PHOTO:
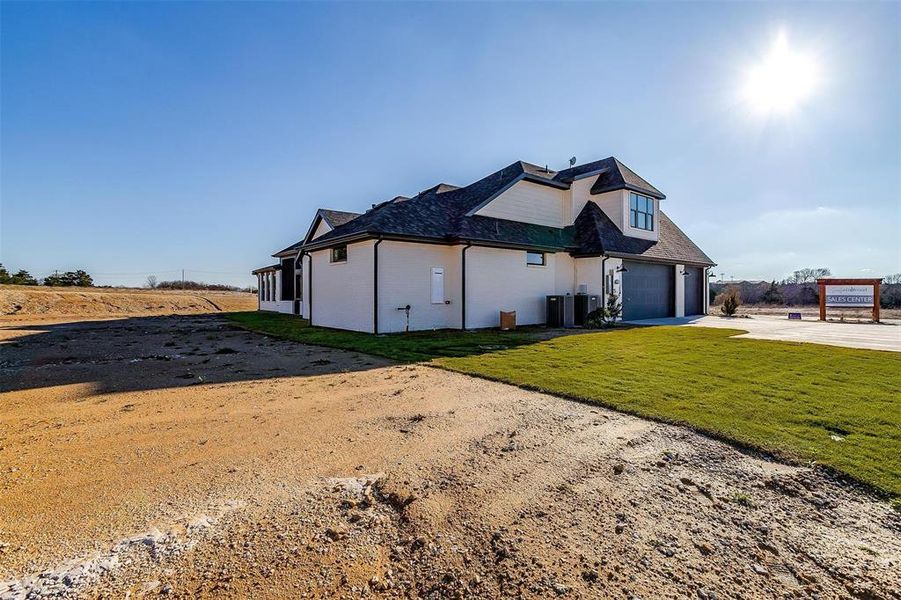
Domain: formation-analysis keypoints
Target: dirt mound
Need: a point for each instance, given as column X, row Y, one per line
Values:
column 30, row 302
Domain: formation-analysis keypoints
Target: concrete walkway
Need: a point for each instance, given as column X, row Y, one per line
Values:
column 885, row 336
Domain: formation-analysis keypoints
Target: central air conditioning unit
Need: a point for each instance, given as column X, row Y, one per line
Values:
column 585, row 304
column 561, row 310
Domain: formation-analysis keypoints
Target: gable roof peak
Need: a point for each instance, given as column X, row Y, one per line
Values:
column 336, row 217
column 612, row 174
column 536, row 170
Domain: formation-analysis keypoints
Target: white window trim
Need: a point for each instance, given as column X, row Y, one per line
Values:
column 653, row 214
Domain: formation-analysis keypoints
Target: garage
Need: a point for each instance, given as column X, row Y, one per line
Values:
column 694, row 291
column 648, row 291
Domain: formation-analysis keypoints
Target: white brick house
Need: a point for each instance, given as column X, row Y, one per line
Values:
column 459, row 255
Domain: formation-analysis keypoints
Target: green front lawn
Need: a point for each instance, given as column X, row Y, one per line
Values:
column 839, row 407
column 411, row 347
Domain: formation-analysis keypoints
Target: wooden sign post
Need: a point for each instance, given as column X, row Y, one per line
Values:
column 849, row 293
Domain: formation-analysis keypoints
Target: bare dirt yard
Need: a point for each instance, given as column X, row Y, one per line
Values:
column 32, row 303
column 179, row 456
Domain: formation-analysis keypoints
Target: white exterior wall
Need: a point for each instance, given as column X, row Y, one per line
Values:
column 564, row 273
column 342, row 292
column 706, row 288
column 612, row 265
column 580, row 189
column 321, row 229
column 273, row 280
column 528, row 203
column 282, row 306
column 499, row 279
column 612, row 205
column 305, row 286
column 405, row 271
column 680, row 290
column 588, row 272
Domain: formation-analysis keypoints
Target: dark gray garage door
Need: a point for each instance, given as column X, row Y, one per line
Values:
column 648, row 291
column 694, row 291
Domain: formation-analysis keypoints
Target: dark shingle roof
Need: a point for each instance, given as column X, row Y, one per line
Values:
column 274, row 267
column 595, row 233
column 335, row 218
column 430, row 213
column 612, row 175
column 444, row 213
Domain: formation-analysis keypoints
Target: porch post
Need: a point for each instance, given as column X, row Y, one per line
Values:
column 822, row 287
column 876, row 300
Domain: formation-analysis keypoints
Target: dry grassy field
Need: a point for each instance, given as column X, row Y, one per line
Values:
column 22, row 302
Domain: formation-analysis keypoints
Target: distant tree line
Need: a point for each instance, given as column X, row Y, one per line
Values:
column 77, row 278
column 195, row 285
column 154, row 284
column 798, row 289
column 80, row 278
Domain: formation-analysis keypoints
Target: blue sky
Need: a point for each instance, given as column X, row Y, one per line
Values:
column 145, row 138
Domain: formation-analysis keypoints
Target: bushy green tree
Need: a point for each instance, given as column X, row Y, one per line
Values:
column 77, row 278
column 54, row 280
column 773, row 295
column 23, row 277
column 5, row 277
column 81, row 278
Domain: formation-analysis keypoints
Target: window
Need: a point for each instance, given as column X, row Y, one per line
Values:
column 536, row 259
column 641, row 212
column 437, row 285
column 339, row 254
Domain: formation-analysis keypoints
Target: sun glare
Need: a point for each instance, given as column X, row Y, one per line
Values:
column 783, row 79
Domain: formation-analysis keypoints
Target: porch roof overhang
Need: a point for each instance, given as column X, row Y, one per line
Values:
column 267, row 269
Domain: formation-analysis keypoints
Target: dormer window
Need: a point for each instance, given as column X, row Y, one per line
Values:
column 641, row 212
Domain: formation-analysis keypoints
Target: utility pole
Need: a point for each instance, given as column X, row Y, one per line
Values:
column 182, row 279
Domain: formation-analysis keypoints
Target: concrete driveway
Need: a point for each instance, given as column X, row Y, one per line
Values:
column 885, row 336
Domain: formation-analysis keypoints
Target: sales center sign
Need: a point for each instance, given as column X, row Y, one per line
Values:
column 849, row 295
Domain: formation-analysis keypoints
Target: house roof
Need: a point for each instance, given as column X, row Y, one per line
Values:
column 336, row 218
column 274, row 267
column 596, row 234
column 333, row 218
column 445, row 214
column 611, row 175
